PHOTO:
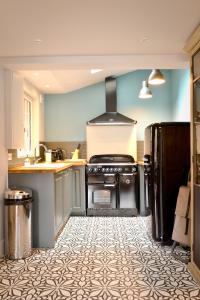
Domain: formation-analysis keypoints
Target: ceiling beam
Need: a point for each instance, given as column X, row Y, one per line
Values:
column 78, row 62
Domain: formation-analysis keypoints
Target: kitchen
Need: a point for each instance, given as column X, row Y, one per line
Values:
column 69, row 121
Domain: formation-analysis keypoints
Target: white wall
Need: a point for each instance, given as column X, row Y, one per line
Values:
column 111, row 139
column 3, row 161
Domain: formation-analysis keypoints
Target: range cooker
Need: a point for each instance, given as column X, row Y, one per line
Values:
column 112, row 186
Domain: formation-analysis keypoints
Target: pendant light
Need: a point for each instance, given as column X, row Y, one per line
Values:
column 156, row 77
column 145, row 92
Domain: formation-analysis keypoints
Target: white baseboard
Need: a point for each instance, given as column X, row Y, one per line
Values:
column 1, row 248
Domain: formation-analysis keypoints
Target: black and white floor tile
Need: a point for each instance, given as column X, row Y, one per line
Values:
column 100, row 258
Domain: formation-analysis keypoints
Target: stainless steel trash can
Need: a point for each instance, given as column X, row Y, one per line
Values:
column 18, row 237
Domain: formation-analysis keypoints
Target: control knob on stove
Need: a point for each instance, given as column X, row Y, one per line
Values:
column 95, row 170
column 89, row 170
column 134, row 169
column 103, row 169
column 119, row 169
column 111, row 169
column 115, row 169
column 107, row 169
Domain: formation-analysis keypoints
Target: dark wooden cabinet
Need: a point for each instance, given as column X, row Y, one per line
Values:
column 192, row 47
column 196, row 131
column 196, row 64
column 196, row 156
column 196, row 245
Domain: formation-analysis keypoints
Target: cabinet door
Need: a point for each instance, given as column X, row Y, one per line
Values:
column 78, row 200
column 196, row 160
column 58, row 202
column 67, row 194
column 196, row 130
column 196, row 168
column 71, row 189
column 14, row 110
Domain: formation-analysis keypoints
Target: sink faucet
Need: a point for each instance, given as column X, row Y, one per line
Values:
column 36, row 159
column 45, row 147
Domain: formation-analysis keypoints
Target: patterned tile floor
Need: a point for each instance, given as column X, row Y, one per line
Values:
column 102, row 258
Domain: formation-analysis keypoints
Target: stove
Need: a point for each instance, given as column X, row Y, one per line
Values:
column 102, row 168
column 112, row 185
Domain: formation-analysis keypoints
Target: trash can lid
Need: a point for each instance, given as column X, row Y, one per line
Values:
column 16, row 194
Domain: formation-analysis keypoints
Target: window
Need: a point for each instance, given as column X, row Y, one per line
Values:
column 27, row 128
column 27, row 123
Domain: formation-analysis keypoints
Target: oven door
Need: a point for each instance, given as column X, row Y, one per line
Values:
column 101, row 191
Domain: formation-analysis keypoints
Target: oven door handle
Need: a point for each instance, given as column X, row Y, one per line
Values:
column 109, row 174
column 109, row 185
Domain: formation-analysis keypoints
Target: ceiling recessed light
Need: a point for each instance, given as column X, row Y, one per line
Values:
column 144, row 39
column 38, row 41
column 93, row 71
column 36, row 74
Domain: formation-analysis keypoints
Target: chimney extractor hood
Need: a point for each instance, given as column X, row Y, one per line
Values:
column 111, row 116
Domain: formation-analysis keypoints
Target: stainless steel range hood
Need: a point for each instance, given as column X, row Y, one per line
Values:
column 111, row 116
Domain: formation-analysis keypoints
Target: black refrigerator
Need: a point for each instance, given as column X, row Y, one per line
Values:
column 167, row 165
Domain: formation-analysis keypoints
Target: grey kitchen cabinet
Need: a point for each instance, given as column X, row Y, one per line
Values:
column 59, row 201
column 43, row 214
column 78, row 192
column 55, row 197
column 67, row 193
column 64, row 191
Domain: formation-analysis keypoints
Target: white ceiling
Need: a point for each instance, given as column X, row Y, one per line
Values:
column 63, row 39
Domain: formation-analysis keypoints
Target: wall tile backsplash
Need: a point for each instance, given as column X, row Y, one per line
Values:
column 69, row 147
column 15, row 160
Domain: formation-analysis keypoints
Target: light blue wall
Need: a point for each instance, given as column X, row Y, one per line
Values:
column 181, row 94
column 66, row 114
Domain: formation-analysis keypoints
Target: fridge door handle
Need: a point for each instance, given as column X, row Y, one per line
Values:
column 147, row 185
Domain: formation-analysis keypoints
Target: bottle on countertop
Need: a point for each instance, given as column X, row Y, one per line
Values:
column 48, row 156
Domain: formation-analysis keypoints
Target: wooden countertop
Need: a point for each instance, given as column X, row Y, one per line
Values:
column 49, row 168
column 140, row 162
